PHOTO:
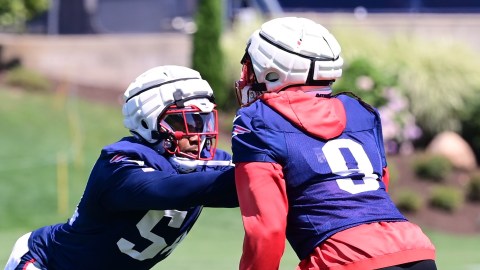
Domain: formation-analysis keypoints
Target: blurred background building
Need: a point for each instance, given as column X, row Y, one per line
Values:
column 112, row 41
column 154, row 16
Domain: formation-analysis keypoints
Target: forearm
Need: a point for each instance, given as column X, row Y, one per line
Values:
column 159, row 191
column 264, row 207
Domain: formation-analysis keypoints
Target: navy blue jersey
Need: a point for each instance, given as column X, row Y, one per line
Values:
column 135, row 209
column 332, row 183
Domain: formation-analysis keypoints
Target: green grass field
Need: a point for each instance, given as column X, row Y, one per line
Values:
column 49, row 144
column 215, row 243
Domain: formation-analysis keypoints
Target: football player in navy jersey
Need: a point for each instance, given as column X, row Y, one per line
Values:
column 310, row 166
column 143, row 195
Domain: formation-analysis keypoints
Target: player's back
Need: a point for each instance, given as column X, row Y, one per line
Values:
column 333, row 183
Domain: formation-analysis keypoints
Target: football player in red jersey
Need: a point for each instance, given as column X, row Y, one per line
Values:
column 145, row 191
column 310, row 165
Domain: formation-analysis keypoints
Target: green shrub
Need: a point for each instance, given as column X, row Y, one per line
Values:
column 28, row 80
column 420, row 76
column 470, row 123
column 234, row 43
column 14, row 14
column 408, row 201
column 366, row 80
column 422, row 79
column 446, row 198
column 437, row 92
column 207, row 53
column 432, row 167
column 473, row 189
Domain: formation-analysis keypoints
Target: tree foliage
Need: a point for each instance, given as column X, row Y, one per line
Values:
column 14, row 13
column 208, row 56
column 437, row 82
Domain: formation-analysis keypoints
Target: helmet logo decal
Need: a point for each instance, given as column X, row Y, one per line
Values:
column 300, row 39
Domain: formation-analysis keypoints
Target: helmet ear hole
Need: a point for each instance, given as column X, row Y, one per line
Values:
column 272, row 77
column 144, row 124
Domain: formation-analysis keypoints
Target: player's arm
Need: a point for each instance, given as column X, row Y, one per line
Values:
column 225, row 157
column 138, row 188
column 222, row 161
column 264, row 207
column 386, row 177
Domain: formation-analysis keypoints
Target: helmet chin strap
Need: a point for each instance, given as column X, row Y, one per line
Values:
column 159, row 147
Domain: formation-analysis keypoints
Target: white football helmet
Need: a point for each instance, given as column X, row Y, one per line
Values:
column 168, row 103
column 288, row 52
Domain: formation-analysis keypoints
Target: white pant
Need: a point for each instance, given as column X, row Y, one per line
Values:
column 19, row 249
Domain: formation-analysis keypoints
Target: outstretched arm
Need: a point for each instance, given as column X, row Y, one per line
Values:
column 134, row 187
column 264, row 207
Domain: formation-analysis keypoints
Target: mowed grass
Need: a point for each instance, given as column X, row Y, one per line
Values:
column 49, row 144
column 215, row 243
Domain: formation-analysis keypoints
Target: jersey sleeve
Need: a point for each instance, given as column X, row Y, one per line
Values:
column 261, row 190
column 221, row 161
column 264, row 207
column 386, row 177
column 222, row 155
column 136, row 186
column 248, row 140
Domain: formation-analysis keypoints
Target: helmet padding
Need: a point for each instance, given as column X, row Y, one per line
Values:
column 154, row 91
column 294, row 51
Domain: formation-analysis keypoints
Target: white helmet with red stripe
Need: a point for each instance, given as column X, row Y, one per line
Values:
column 167, row 103
column 288, row 52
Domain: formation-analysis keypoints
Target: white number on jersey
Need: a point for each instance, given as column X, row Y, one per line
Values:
column 337, row 164
column 145, row 227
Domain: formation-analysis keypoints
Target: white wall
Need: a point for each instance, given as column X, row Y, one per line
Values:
column 104, row 61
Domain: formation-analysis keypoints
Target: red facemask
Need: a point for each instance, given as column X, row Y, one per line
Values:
column 199, row 128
